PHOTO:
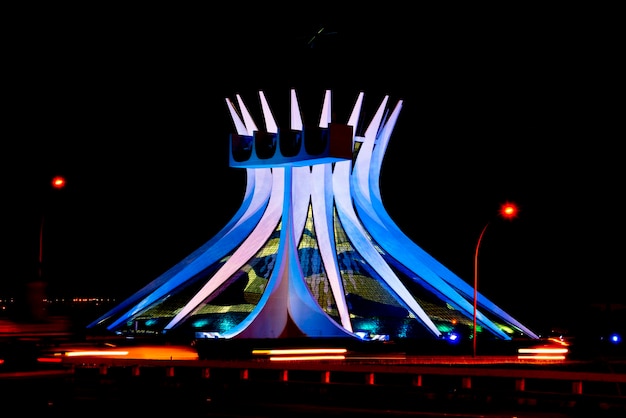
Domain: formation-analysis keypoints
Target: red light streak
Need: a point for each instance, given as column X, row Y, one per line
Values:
column 49, row 360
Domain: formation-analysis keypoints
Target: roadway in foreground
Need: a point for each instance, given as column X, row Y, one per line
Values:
column 69, row 394
column 107, row 379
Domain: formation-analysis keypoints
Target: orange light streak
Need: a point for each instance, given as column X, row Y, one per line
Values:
column 543, row 357
column 542, row 353
column 543, row 350
column 93, row 353
column 292, row 351
column 306, row 358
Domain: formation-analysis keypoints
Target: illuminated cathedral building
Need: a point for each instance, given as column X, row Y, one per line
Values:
column 312, row 252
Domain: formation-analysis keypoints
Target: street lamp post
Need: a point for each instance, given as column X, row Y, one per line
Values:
column 508, row 211
column 58, row 182
column 36, row 289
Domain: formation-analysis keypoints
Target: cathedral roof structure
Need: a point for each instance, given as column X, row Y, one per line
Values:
column 312, row 251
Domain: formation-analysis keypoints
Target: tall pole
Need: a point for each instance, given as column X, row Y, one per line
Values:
column 508, row 211
column 40, row 265
column 36, row 290
column 480, row 238
column 58, row 182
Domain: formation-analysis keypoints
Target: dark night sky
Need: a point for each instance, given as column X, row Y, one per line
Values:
column 499, row 105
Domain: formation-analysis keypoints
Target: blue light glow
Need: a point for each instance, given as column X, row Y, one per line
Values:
column 453, row 337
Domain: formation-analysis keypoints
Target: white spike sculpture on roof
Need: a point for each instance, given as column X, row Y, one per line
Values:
column 311, row 242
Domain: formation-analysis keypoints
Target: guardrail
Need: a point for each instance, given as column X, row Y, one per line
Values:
column 395, row 379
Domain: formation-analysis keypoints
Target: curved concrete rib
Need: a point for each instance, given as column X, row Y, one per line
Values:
column 248, row 248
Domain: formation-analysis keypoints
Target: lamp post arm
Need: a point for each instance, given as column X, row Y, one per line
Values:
column 480, row 238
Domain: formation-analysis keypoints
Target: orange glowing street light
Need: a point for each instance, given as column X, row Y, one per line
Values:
column 509, row 211
column 58, row 182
